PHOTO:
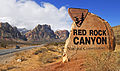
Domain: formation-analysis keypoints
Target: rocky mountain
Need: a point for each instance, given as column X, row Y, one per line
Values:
column 45, row 33
column 62, row 34
column 41, row 33
column 7, row 32
column 116, row 30
column 23, row 31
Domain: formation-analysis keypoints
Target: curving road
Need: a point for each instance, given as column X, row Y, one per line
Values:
column 7, row 51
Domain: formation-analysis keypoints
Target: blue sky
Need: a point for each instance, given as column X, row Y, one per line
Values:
column 29, row 13
column 107, row 9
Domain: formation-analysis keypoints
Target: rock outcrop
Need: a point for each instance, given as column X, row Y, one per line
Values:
column 116, row 30
column 79, row 36
column 7, row 32
column 23, row 31
column 41, row 33
column 62, row 34
column 88, row 32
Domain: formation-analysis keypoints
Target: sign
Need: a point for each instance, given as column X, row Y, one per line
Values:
column 89, row 31
column 89, row 40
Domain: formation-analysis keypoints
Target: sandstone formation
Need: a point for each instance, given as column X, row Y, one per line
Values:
column 23, row 31
column 41, row 33
column 116, row 30
column 7, row 32
column 62, row 34
column 88, row 31
column 92, row 33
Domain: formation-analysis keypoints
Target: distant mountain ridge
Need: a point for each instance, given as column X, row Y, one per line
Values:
column 8, row 32
column 41, row 33
column 62, row 34
column 23, row 31
column 45, row 33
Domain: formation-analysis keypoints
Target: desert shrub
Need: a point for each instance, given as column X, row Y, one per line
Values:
column 3, row 45
column 52, row 49
column 8, row 68
column 59, row 44
column 57, row 57
column 118, row 43
column 37, row 52
column 62, row 43
column 105, row 61
column 47, row 58
column 41, row 50
column 55, row 43
column 49, row 53
column 22, row 55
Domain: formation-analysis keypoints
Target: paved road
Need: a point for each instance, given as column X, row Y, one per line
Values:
column 7, row 51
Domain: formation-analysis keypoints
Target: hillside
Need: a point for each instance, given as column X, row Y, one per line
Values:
column 7, row 32
column 23, row 31
column 116, row 30
column 42, row 33
column 62, row 34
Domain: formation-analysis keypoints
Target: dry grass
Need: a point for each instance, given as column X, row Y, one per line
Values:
column 25, row 56
column 50, row 53
column 103, row 61
column 33, row 58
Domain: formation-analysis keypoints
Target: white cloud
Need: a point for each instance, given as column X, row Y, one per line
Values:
column 27, row 13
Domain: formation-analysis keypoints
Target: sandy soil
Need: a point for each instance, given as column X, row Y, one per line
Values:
column 32, row 62
column 75, row 64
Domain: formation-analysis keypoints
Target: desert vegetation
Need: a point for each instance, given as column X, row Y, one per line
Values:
column 52, row 52
column 35, row 57
column 94, row 60
column 103, row 61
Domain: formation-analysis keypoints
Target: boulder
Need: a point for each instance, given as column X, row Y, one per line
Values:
column 93, row 32
column 88, row 31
